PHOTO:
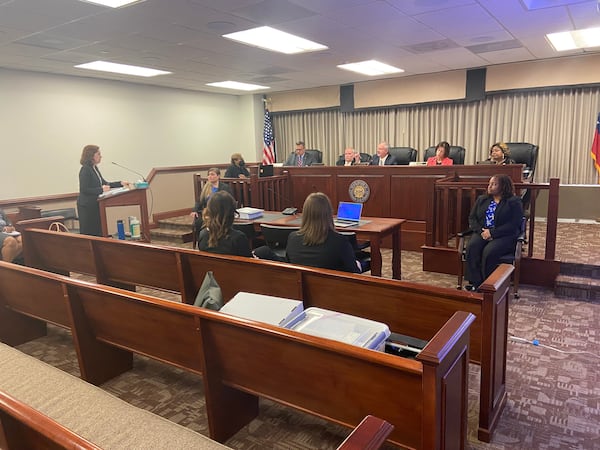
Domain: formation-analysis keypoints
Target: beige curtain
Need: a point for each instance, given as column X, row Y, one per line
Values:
column 560, row 121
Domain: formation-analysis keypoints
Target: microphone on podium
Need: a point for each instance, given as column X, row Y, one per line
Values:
column 130, row 170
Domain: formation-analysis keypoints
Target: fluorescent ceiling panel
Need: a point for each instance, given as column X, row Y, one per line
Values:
column 275, row 40
column 112, row 3
column 570, row 40
column 237, row 85
column 104, row 66
column 371, row 67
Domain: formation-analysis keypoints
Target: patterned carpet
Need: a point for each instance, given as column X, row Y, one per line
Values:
column 553, row 388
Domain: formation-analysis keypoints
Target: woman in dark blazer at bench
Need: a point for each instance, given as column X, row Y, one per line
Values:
column 495, row 220
column 316, row 243
column 219, row 236
column 91, row 185
column 212, row 186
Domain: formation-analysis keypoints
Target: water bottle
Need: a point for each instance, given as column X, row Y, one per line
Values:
column 134, row 227
column 120, row 229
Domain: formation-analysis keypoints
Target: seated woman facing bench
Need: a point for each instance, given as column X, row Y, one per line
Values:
column 10, row 245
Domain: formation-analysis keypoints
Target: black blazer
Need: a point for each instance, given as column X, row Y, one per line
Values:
column 389, row 161
column 308, row 160
column 201, row 203
column 90, row 184
column 507, row 218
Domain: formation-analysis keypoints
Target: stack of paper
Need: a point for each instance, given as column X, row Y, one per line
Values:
column 263, row 308
column 250, row 213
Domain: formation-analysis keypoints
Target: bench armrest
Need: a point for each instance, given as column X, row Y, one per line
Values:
column 370, row 434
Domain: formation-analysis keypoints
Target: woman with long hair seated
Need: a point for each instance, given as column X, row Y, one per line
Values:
column 316, row 243
column 219, row 236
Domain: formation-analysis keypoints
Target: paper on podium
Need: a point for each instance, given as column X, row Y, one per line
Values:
column 263, row 308
column 112, row 192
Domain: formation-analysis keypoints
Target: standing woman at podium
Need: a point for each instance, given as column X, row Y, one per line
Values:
column 91, row 185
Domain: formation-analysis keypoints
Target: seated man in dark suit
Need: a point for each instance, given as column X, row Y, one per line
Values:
column 350, row 158
column 383, row 157
column 300, row 158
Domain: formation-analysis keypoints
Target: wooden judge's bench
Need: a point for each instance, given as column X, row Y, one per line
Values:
column 404, row 192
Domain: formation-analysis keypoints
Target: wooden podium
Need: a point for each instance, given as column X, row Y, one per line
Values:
column 130, row 197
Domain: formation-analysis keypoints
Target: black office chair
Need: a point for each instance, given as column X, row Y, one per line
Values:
column 404, row 155
column 362, row 256
column 513, row 258
column 316, row 154
column 457, row 154
column 524, row 153
column 365, row 158
column 276, row 237
column 254, row 239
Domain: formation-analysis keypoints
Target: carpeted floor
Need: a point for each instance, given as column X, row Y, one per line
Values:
column 553, row 388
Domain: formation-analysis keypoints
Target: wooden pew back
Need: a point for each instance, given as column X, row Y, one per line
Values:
column 241, row 360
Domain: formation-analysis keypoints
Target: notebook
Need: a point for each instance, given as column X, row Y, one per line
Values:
column 348, row 214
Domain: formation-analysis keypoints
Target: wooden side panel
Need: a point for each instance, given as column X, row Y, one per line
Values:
column 315, row 375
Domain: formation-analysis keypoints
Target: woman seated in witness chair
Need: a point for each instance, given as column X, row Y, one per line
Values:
column 237, row 169
column 495, row 220
column 219, row 236
column 442, row 150
column 212, row 186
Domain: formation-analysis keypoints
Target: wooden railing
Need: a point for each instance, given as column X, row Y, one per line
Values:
column 454, row 197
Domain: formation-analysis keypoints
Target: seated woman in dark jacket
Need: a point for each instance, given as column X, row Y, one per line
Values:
column 237, row 169
column 317, row 244
column 219, row 236
column 496, row 223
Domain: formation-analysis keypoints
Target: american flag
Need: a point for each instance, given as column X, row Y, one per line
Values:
column 269, row 154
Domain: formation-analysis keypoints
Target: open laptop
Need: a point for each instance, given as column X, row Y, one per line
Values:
column 265, row 170
column 348, row 214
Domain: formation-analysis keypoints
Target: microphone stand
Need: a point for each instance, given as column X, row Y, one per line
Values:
column 130, row 170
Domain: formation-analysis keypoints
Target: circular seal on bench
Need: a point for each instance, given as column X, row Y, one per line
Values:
column 359, row 191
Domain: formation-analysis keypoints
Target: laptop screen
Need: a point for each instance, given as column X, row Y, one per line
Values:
column 265, row 170
column 349, row 211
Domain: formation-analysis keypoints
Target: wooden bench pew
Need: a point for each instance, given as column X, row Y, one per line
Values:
column 425, row 400
column 408, row 308
column 55, row 410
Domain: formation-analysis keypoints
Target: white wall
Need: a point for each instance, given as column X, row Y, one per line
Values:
column 45, row 120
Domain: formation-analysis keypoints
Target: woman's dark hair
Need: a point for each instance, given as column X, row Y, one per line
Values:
column 507, row 188
column 87, row 155
column 218, row 216
column 317, row 219
column 445, row 146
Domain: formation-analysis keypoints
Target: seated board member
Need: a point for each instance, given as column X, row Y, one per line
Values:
column 351, row 157
column 316, row 243
column 383, row 157
column 210, row 187
column 495, row 220
column 11, row 245
column 300, row 158
column 500, row 154
column 442, row 150
column 218, row 235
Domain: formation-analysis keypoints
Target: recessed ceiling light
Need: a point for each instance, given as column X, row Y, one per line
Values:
column 275, row 40
column 105, row 66
column 238, row 86
column 112, row 3
column 570, row 40
column 371, row 68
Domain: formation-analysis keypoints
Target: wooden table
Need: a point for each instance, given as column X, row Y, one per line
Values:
column 373, row 229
